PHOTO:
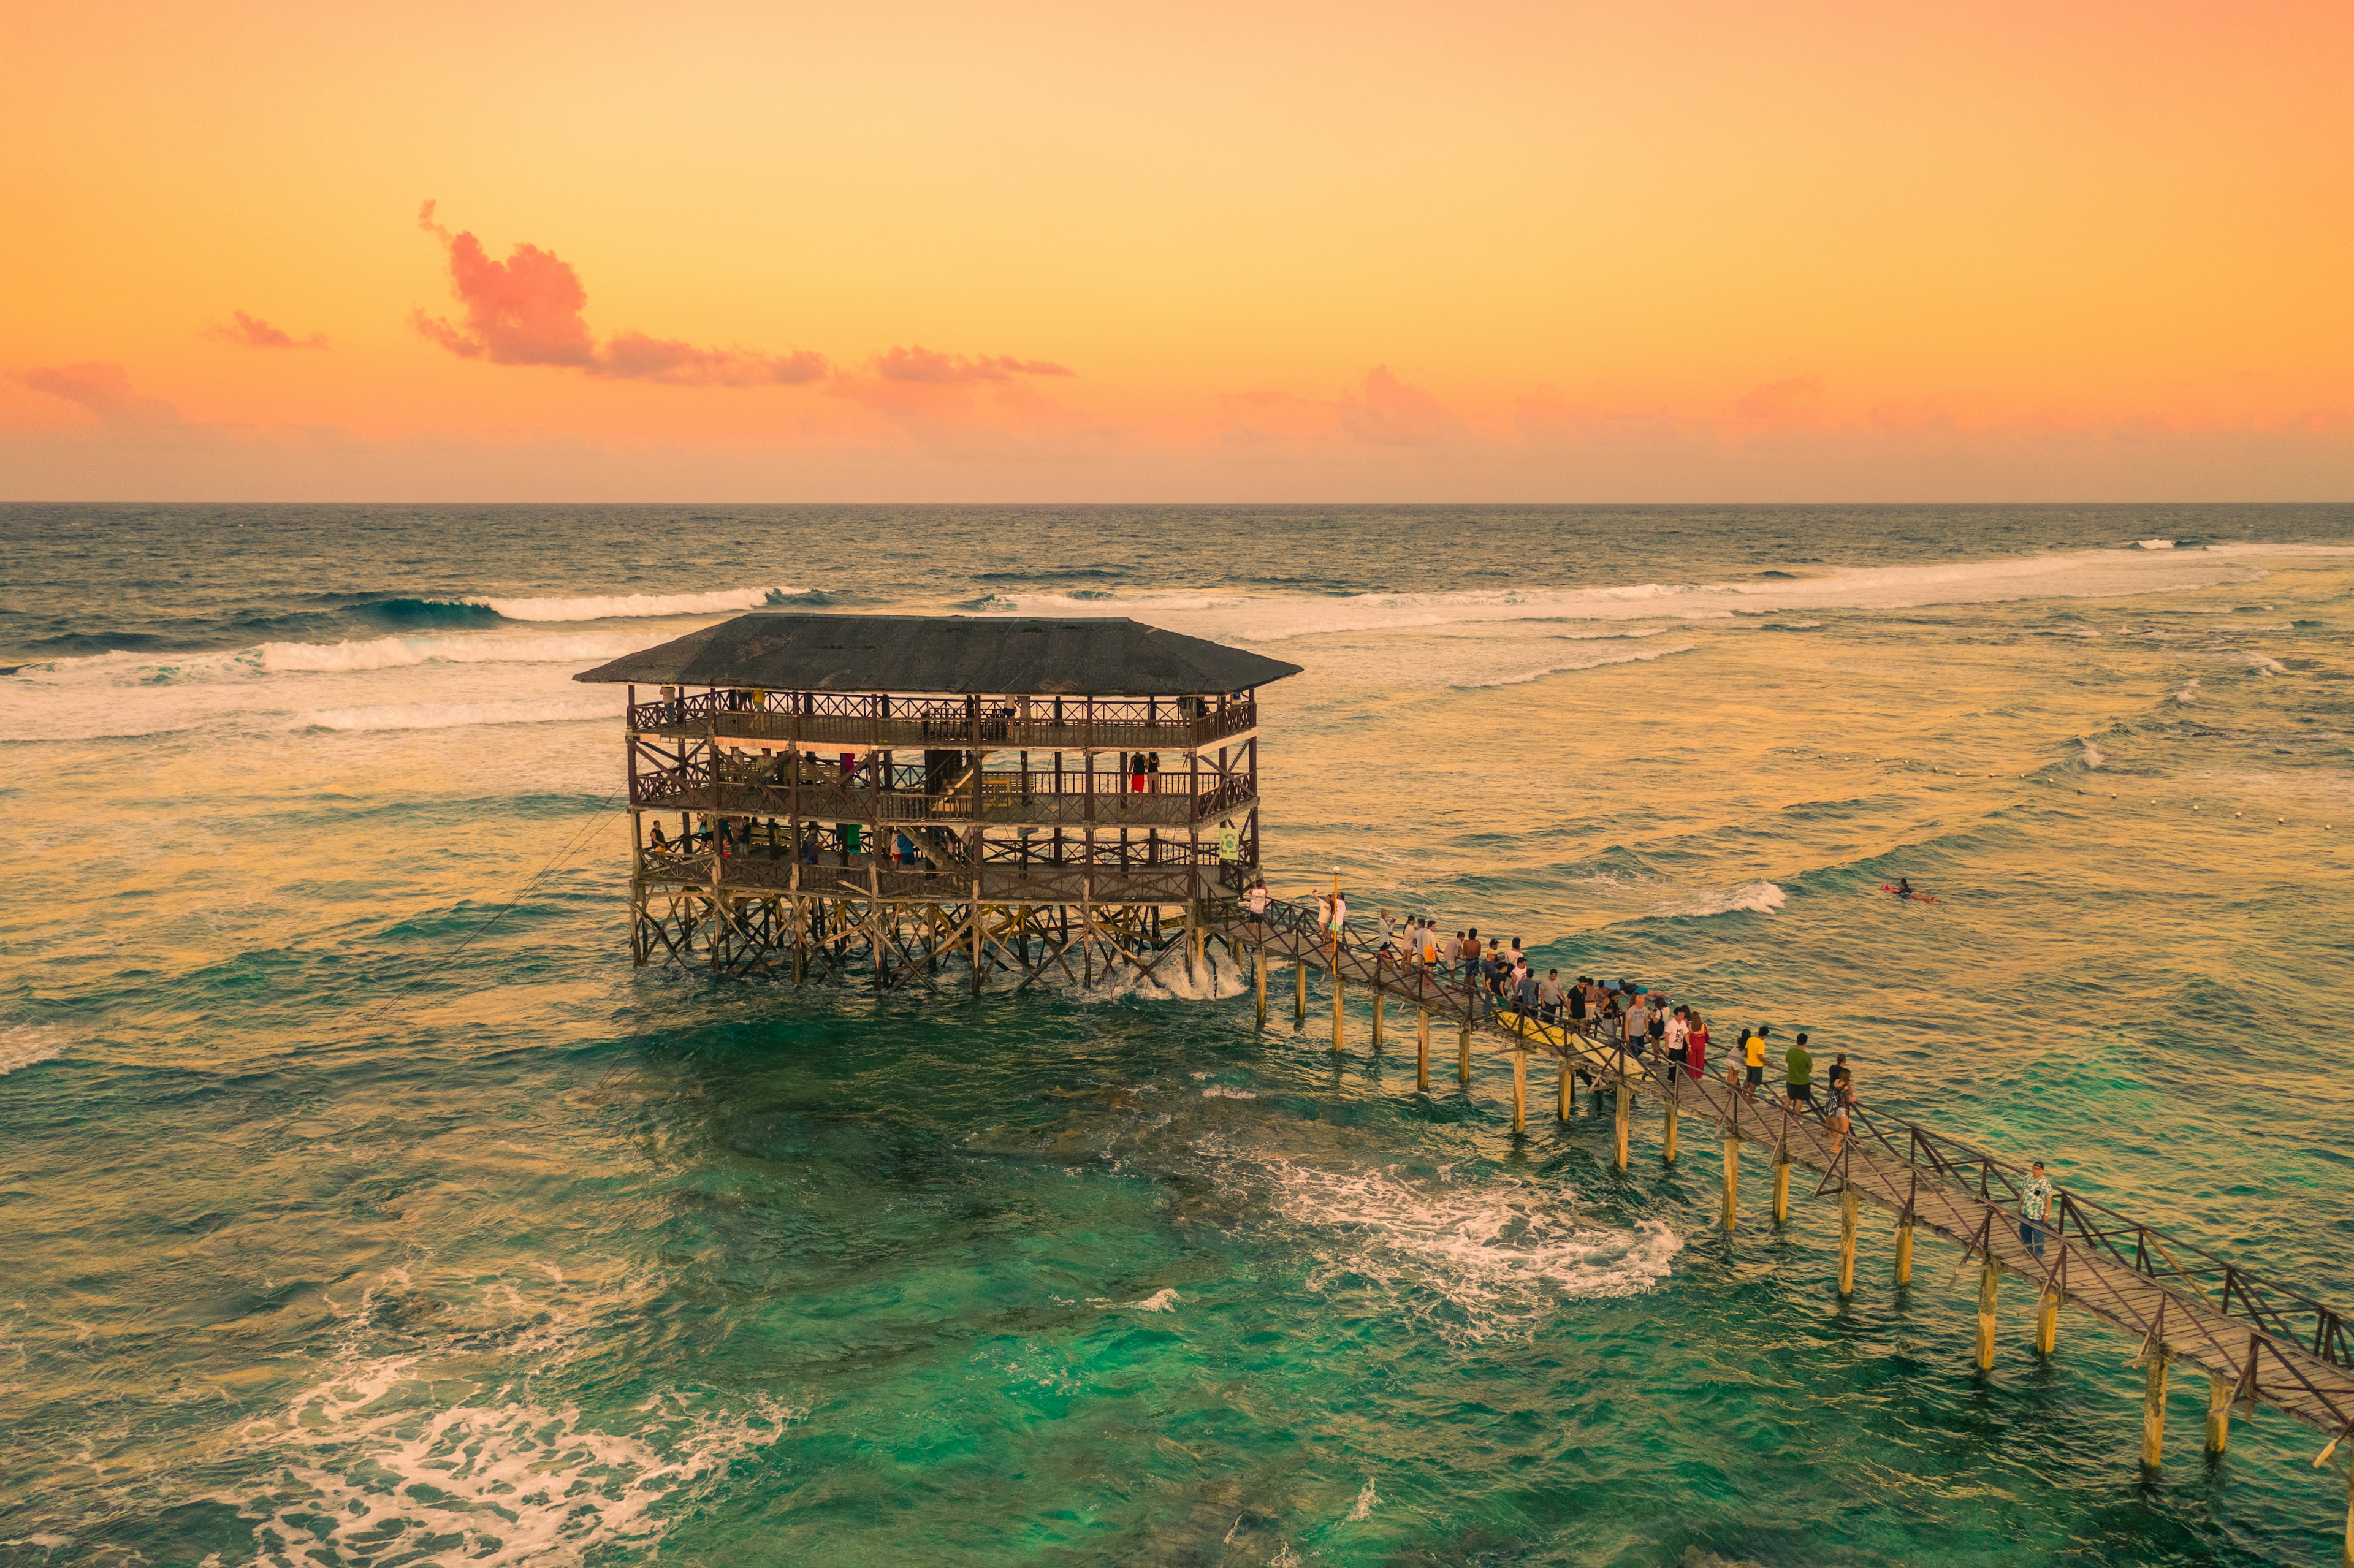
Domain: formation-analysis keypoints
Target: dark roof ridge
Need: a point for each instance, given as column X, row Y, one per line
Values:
column 1080, row 655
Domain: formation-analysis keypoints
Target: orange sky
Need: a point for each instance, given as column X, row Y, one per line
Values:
column 1647, row 252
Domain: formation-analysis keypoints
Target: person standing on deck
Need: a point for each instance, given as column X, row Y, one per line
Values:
column 1637, row 1027
column 1753, row 1050
column 1384, row 928
column 1842, row 1109
column 1679, row 1037
column 1136, row 774
column 1696, row 1046
column 1152, row 771
column 2035, row 1209
column 1256, row 902
column 1579, row 995
column 1466, row 953
column 1340, row 915
column 1529, row 994
column 1801, row 1073
column 1548, row 998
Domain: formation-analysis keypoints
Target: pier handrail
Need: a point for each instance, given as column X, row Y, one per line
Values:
column 2078, row 1224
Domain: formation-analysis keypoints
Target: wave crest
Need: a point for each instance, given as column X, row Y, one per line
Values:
column 623, row 606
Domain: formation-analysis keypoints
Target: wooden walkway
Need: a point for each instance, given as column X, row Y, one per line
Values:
column 2257, row 1341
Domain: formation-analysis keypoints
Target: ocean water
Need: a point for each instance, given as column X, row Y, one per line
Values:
column 362, row 1205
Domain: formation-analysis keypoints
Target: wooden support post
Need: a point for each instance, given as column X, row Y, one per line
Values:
column 2047, row 1320
column 1258, row 981
column 1422, row 1050
column 1378, row 1000
column 1989, row 1281
column 1519, row 1092
column 1667, row 1134
column 2219, row 1415
column 1781, row 1185
column 1298, row 993
column 2346, row 1558
column 1903, row 1250
column 1618, row 1140
column 1337, row 992
column 1732, row 1176
column 1847, row 1239
column 1463, row 1057
column 2153, row 1407
column 1565, row 1094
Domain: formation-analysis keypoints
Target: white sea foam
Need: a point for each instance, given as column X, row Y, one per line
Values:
column 1159, row 1301
column 387, row 1452
column 450, row 716
column 2094, row 755
column 2189, row 693
column 1363, row 1508
column 131, row 669
column 26, row 1043
column 2262, row 666
column 617, row 605
column 1475, row 1258
column 2078, row 574
column 2157, row 544
column 1221, row 1092
column 1748, row 898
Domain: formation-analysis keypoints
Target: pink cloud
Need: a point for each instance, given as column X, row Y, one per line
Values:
column 1388, row 412
column 252, row 331
column 104, row 389
column 527, row 310
column 929, row 367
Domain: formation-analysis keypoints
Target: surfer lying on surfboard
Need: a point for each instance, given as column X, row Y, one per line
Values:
column 1904, row 889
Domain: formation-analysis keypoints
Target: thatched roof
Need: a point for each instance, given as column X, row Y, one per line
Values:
column 1081, row 656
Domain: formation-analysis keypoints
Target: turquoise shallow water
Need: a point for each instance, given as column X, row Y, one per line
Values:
column 346, row 1230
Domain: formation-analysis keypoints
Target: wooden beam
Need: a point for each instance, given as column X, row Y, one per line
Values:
column 1846, row 1240
column 1421, row 1048
column 1989, row 1282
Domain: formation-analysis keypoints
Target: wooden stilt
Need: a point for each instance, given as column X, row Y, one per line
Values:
column 1618, row 1138
column 1989, row 1281
column 2346, row 1558
column 1846, row 1240
column 1259, row 984
column 1298, row 993
column 1378, row 1000
column 2219, row 1415
column 1781, row 1186
column 2153, row 1407
column 1520, row 1091
column 1463, row 1057
column 1565, row 1097
column 1337, row 992
column 2047, row 1322
column 1422, row 1049
column 1732, row 1177
column 1668, row 1133
column 1903, row 1251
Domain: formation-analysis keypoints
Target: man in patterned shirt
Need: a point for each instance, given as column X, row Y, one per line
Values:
column 2035, row 1209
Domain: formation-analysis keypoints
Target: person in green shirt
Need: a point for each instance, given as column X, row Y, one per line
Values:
column 1801, row 1069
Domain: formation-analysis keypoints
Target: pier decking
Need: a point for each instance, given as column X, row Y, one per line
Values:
column 2257, row 1341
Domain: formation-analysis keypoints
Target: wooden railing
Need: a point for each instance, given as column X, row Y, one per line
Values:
column 2080, row 1231
column 860, row 719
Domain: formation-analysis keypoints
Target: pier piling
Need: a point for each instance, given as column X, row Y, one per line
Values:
column 1422, row 1050
column 1299, row 995
column 1377, row 1023
column 1259, row 984
column 1339, row 992
column 1989, row 1282
column 1564, row 1093
column 2219, row 1415
column 1520, row 1094
column 1666, row 1131
column 1625, row 1106
column 2153, row 1407
column 1903, row 1250
column 1463, row 1057
column 1732, row 1176
column 2047, row 1322
column 1846, row 1240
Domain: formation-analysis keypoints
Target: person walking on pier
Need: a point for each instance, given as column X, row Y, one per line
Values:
column 1801, row 1073
column 2035, row 1209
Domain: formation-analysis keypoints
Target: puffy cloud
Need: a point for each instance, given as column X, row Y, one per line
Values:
column 1388, row 412
column 104, row 389
column 527, row 310
column 929, row 367
column 252, row 331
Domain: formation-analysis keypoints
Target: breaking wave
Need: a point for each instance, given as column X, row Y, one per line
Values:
column 452, row 715
column 26, row 1043
column 1749, row 897
column 621, row 606
column 2075, row 574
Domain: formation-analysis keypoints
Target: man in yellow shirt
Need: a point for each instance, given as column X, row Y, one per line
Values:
column 1755, row 1059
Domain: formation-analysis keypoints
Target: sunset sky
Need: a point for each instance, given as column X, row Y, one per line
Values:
column 1656, row 252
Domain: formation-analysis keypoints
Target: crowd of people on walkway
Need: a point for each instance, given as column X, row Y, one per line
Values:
column 1672, row 1038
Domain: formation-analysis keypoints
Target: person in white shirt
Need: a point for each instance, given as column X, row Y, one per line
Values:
column 1339, row 914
